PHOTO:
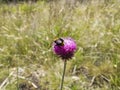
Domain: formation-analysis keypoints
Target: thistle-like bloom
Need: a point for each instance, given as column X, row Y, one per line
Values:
column 64, row 47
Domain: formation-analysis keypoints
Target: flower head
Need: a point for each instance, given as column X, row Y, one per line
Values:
column 64, row 47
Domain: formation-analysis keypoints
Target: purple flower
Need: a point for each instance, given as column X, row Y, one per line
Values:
column 64, row 47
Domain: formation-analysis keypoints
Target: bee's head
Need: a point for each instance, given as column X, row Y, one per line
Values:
column 59, row 42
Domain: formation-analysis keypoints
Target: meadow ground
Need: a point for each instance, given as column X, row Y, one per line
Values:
column 27, row 31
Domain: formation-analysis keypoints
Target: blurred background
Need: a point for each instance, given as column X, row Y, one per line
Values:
column 28, row 29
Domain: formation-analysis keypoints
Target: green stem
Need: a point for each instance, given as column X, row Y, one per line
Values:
column 65, row 62
column 17, row 74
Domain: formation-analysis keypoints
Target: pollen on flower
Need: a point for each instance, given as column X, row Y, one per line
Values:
column 65, row 50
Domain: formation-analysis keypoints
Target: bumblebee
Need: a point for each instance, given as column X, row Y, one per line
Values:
column 59, row 42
